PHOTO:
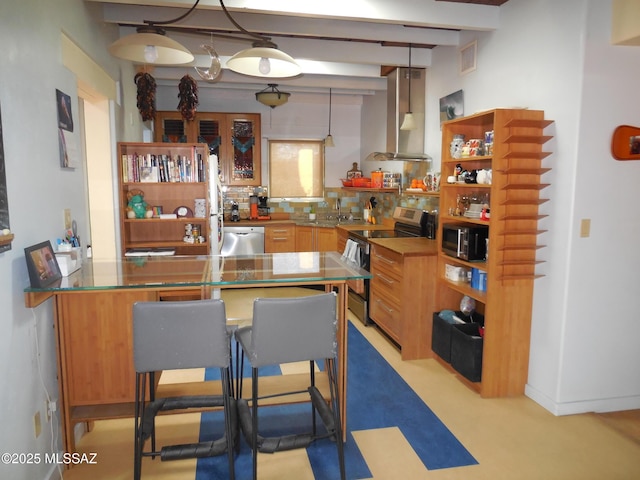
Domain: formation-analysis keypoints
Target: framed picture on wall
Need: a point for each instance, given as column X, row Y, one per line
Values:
column 42, row 265
column 452, row 106
column 65, row 118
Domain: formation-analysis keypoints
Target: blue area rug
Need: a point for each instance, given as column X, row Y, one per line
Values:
column 377, row 397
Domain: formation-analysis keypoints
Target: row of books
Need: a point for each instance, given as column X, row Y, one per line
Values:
column 162, row 168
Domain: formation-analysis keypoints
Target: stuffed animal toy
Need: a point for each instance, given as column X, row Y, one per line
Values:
column 137, row 207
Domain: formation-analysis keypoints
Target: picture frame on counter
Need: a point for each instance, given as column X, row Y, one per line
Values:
column 42, row 265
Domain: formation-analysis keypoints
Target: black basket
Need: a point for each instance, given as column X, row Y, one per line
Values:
column 466, row 351
column 441, row 333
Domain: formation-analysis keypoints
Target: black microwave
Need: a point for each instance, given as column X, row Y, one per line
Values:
column 468, row 242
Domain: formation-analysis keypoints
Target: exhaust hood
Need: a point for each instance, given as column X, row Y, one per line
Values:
column 407, row 145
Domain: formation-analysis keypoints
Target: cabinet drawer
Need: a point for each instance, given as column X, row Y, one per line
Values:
column 386, row 260
column 280, row 239
column 388, row 284
column 386, row 314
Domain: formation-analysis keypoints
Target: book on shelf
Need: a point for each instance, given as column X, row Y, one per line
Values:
column 170, row 168
column 149, row 252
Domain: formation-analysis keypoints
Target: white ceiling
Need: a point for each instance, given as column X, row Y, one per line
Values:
column 338, row 43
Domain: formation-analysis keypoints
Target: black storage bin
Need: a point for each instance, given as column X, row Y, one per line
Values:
column 441, row 333
column 466, row 351
column 441, row 337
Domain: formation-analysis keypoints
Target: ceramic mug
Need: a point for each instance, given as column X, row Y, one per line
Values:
column 456, row 146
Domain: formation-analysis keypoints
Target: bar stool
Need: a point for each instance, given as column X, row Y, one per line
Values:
column 173, row 336
column 286, row 330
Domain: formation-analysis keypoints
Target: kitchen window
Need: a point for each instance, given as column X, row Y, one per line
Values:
column 296, row 169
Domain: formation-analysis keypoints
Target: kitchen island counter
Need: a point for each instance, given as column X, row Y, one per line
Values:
column 94, row 324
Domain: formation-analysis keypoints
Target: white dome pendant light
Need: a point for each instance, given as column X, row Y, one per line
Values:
column 150, row 45
column 263, row 59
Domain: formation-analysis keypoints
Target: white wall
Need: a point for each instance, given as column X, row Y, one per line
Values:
column 600, row 353
column 555, row 56
column 39, row 190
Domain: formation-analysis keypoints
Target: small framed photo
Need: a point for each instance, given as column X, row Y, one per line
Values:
column 65, row 118
column 468, row 55
column 42, row 265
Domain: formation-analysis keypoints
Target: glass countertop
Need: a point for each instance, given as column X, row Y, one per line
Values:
column 209, row 270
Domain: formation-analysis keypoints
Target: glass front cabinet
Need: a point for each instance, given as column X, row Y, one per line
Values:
column 233, row 137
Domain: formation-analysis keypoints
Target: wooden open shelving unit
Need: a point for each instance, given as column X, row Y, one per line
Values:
column 515, row 197
column 157, row 233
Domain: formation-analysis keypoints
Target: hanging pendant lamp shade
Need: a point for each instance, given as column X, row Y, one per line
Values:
column 272, row 97
column 409, row 122
column 264, row 60
column 150, row 45
column 328, row 141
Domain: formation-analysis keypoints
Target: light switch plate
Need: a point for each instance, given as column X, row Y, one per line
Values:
column 67, row 218
column 585, row 227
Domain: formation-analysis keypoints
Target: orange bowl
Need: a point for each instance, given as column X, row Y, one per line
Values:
column 346, row 183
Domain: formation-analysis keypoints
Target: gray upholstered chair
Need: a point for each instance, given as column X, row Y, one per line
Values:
column 181, row 335
column 286, row 330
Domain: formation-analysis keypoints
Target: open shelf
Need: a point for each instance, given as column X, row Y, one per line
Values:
column 516, row 163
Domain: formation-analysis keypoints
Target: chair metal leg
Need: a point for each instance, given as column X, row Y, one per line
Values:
column 138, row 413
column 152, row 397
column 239, row 371
column 231, row 377
column 227, row 392
column 312, row 381
column 254, row 420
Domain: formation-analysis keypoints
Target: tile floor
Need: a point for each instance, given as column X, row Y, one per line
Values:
column 511, row 438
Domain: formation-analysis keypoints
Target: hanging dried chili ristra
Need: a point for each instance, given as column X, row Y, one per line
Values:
column 146, row 95
column 188, row 94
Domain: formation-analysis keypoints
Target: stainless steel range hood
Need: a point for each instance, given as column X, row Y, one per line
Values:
column 405, row 145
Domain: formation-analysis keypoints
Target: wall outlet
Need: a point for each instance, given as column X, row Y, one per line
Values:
column 51, row 407
column 37, row 424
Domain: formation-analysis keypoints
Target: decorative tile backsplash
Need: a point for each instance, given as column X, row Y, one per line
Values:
column 351, row 202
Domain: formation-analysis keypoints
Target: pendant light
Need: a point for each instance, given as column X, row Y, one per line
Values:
column 150, row 44
column 272, row 97
column 263, row 59
column 409, row 122
column 328, row 142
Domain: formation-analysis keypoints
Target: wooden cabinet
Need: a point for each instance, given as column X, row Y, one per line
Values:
column 386, row 291
column 514, row 196
column 402, row 297
column 233, row 137
column 280, row 238
column 316, row 239
column 341, row 240
column 170, row 175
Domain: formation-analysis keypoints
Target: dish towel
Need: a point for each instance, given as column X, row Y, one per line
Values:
column 351, row 252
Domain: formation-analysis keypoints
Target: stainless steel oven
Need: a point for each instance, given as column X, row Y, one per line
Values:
column 409, row 223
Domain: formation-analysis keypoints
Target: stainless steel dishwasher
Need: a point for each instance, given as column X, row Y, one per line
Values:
column 242, row 240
